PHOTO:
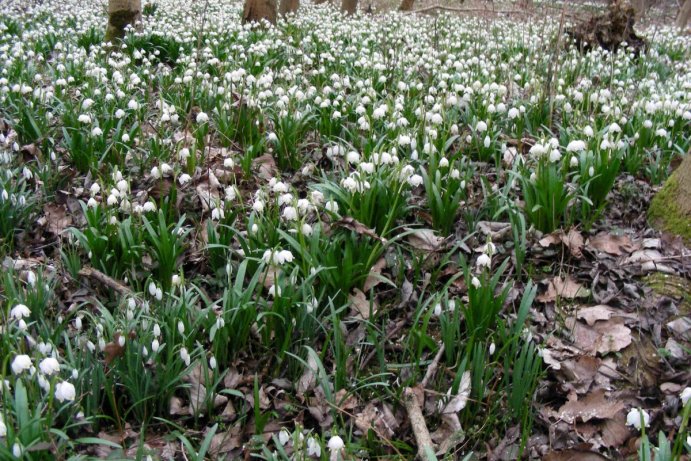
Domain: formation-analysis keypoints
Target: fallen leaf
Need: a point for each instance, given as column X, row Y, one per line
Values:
column 362, row 306
column 614, row 431
column 424, row 240
column 573, row 240
column 225, row 442
column 573, row 455
column 381, row 420
column 266, row 166
column 566, row 288
column 356, row 226
column 198, row 391
column 497, row 231
column 593, row 406
column 56, row 218
column 374, row 277
column 603, row 337
column 616, row 245
column 594, row 313
column 309, row 377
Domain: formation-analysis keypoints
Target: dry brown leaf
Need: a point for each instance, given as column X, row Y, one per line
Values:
column 225, row 442
column 579, row 373
column 574, row 455
column 573, row 240
column 56, row 218
column 593, row 406
column 198, row 391
column 266, row 166
column 382, row 421
column 309, row 377
column 497, row 231
column 374, row 278
column 113, row 349
column 361, row 305
column 603, row 337
column 613, row 244
column 563, row 288
column 424, row 240
column 356, row 226
column 614, row 431
column 594, row 313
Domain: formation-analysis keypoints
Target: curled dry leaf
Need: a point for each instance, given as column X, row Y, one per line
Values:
column 424, row 240
column 374, row 278
column 361, row 305
column 497, row 231
column 356, row 226
column 616, row 245
column 55, row 218
column 380, row 418
column 309, row 377
column 198, row 390
column 594, row 313
column 573, row 240
column 566, row 288
column 266, row 166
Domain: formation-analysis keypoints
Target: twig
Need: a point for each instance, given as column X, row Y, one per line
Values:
column 465, row 10
column 432, row 368
column 105, row 280
column 417, row 422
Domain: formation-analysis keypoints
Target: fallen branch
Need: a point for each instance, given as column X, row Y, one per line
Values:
column 106, row 280
column 418, row 424
column 432, row 369
column 466, row 10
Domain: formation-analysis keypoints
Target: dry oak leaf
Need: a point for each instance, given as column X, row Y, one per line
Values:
column 56, row 218
column 374, row 277
column 567, row 288
column 266, row 166
column 594, row 313
column 381, row 420
column 603, row 337
column 593, row 406
column 616, row 245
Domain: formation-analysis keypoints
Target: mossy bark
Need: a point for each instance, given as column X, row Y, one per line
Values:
column 121, row 13
column 684, row 14
column 349, row 6
column 256, row 10
column 288, row 6
column 406, row 5
column 670, row 209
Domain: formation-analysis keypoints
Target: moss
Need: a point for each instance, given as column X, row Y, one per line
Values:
column 664, row 213
column 671, row 286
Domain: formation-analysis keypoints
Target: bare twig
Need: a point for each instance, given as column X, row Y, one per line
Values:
column 106, row 280
column 432, row 368
column 417, row 422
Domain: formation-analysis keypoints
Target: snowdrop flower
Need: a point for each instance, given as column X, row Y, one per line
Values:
column 212, row 363
column 119, row 113
column 487, row 142
column 306, row 230
column 481, row 127
column 283, row 437
column 133, row 105
column 591, row 171
column 685, row 395
column 185, row 356
column 573, row 163
column 49, row 366
column 476, row 282
column 290, row 213
column 155, row 345
column 65, row 392
column 576, row 146
column 20, row 311
column 3, row 427
column 634, row 418
column 313, row 447
column 21, row 363
column 588, row 131
column 335, row 445
column 331, row 206
column 202, row 117
column 483, row 261
column 184, row 179
column 84, row 118
column 274, row 291
column 492, row 348
column 661, row 133
column 554, row 155
column 513, row 113
column 415, row 180
column 96, row 132
column 181, row 327
column 17, row 450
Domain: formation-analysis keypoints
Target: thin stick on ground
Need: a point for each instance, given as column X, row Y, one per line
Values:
column 417, row 422
column 106, row 280
column 432, row 369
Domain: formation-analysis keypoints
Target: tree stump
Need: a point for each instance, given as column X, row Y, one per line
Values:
column 670, row 210
column 121, row 13
column 256, row 10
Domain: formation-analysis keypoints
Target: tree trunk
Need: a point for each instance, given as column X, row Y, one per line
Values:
column 349, row 6
column 319, row 2
column 406, row 5
column 121, row 13
column 256, row 10
column 670, row 209
column 288, row 6
column 684, row 14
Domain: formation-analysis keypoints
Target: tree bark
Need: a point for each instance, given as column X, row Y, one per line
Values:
column 121, row 13
column 349, row 6
column 288, row 6
column 256, row 10
column 319, row 2
column 406, row 5
column 670, row 209
column 684, row 14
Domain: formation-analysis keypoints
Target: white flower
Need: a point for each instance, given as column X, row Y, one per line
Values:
column 476, row 282
column 65, row 392
column 415, row 180
column 185, row 356
column 483, row 261
column 3, row 428
column 313, row 447
column 481, row 127
column 331, row 206
column 20, row 311
column 283, row 437
column 575, row 146
column 306, row 230
column 634, row 418
column 49, row 366
column 17, row 450
column 588, row 131
column 155, row 345
column 212, row 363
column 554, row 155
column 573, row 163
column 181, row 327
column 685, row 395
column 202, row 117
column 335, row 443
column 492, row 348
column 274, row 291
column 184, row 179
column 21, row 363
column 513, row 113
column 290, row 213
